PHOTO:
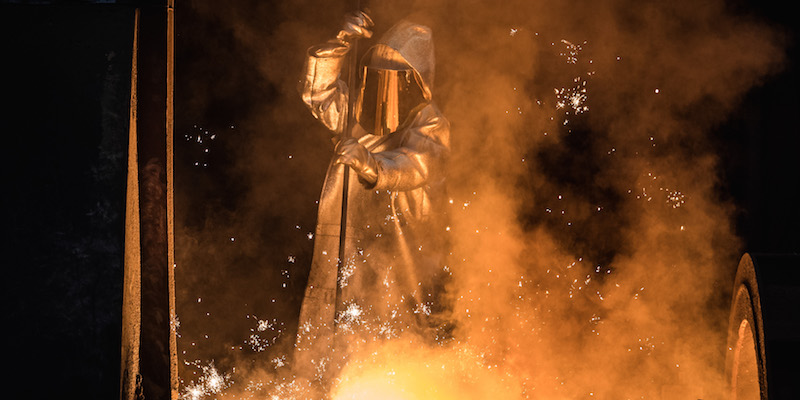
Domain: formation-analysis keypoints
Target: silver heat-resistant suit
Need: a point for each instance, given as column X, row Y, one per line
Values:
column 395, row 240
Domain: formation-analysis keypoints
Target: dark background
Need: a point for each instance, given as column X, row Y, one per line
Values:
column 64, row 87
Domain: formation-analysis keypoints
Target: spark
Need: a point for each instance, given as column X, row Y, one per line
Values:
column 263, row 325
column 175, row 324
column 347, row 270
column 574, row 97
column 210, row 382
column 675, row 198
column 201, row 138
column 351, row 316
column 571, row 52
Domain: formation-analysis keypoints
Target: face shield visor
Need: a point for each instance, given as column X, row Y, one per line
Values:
column 388, row 98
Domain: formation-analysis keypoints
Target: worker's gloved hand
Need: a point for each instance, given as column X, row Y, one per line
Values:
column 350, row 152
column 356, row 26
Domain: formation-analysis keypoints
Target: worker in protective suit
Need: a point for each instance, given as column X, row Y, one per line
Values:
column 396, row 154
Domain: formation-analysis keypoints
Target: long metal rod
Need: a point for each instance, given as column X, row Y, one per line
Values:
column 132, row 289
column 170, row 169
column 352, row 89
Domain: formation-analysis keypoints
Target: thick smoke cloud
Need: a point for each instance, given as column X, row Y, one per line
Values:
column 591, row 248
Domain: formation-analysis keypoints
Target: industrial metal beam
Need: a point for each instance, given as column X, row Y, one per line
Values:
column 149, row 351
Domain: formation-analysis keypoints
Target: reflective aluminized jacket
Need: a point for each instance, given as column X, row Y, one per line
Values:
column 395, row 230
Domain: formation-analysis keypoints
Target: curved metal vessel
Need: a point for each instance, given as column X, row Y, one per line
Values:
column 763, row 357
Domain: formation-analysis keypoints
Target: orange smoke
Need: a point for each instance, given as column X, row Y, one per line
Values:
column 592, row 252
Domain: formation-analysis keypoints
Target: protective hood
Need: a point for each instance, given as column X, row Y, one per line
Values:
column 396, row 79
column 414, row 45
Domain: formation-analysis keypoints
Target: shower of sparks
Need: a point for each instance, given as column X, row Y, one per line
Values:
column 202, row 139
column 346, row 271
column 673, row 198
column 279, row 362
column 348, row 319
column 265, row 334
column 645, row 344
column 210, row 383
column 571, row 52
column 175, row 324
column 423, row 309
column 573, row 98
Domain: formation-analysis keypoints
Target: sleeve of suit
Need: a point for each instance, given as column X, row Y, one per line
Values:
column 321, row 89
column 420, row 160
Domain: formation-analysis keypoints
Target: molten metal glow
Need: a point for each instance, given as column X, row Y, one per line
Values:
column 405, row 370
column 373, row 386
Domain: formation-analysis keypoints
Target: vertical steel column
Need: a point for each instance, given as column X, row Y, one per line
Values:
column 149, row 356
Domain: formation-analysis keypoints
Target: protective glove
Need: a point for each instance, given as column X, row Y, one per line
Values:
column 350, row 152
column 356, row 25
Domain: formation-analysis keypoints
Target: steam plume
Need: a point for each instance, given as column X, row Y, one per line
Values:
column 591, row 250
